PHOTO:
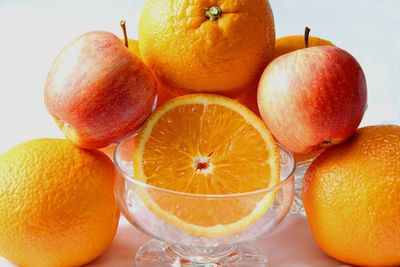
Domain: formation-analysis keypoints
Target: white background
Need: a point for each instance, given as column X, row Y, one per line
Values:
column 33, row 32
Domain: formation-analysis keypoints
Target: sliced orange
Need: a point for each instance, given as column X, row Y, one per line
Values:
column 204, row 145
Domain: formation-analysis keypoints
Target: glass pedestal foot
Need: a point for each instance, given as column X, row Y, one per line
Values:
column 160, row 254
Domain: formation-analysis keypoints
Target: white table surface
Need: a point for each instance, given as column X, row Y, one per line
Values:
column 32, row 32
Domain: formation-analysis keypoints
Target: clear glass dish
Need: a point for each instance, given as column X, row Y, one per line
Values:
column 175, row 246
column 302, row 164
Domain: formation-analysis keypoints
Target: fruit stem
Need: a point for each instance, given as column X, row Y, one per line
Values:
column 306, row 36
column 123, row 26
column 213, row 13
column 326, row 143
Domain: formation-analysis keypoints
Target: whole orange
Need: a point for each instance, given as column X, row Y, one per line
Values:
column 57, row 206
column 207, row 46
column 351, row 195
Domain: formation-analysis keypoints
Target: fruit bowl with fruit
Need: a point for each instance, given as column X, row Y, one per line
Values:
column 203, row 186
column 185, row 225
column 216, row 124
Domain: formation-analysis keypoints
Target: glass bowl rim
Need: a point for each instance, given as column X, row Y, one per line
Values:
column 271, row 188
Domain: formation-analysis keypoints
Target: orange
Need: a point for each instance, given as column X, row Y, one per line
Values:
column 351, row 195
column 249, row 99
column 290, row 43
column 57, row 206
column 207, row 46
column 206, row 145
column 133, row 46
column 163, row 94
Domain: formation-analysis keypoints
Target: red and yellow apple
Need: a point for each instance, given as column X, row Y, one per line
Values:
column 312, row 98
column 98, row 91
column 283, row 46
column 163, row 94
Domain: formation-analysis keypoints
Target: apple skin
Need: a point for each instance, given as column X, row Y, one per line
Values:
column 98, row 91
column 163, row 90
column 312, row 98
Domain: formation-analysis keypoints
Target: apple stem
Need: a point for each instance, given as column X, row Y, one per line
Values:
column 306, row 36
column 123, row 26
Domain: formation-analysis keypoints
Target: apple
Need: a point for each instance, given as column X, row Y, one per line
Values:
column 312, row 98
column 290, row 43
column 98, row 91
column 163, row 94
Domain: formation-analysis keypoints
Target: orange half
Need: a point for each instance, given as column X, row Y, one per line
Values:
column 206, row 145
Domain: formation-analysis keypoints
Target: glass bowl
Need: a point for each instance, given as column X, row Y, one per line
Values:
column 302, row 164
column 177, row 245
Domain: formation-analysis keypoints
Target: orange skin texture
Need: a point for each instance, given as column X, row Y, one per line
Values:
column 292, row 43
column 98, row 91
column 191, row 53
column 133, row 46
column 57, row 205
column 351, row 194
column 311, row 96
column 250, row 100
column 163, row 94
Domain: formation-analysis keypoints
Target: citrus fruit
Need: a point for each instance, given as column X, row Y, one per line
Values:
column 290, row 43
column 250, row 100
column 351, row 195
column 57, row 206
column 133, row 46
column 203, row 145
column 206, row 46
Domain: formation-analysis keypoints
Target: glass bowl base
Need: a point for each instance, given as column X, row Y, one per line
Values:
column 161, row 254
column 297, row 206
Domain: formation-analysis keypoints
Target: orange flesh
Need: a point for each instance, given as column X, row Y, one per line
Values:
column 206, row 144
column 231, row 154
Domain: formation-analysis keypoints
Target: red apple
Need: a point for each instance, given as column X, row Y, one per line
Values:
column 98, row 91
column 312, row 98
column 163, row 94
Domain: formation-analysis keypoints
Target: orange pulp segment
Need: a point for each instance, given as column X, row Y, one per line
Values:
column 206, row 145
